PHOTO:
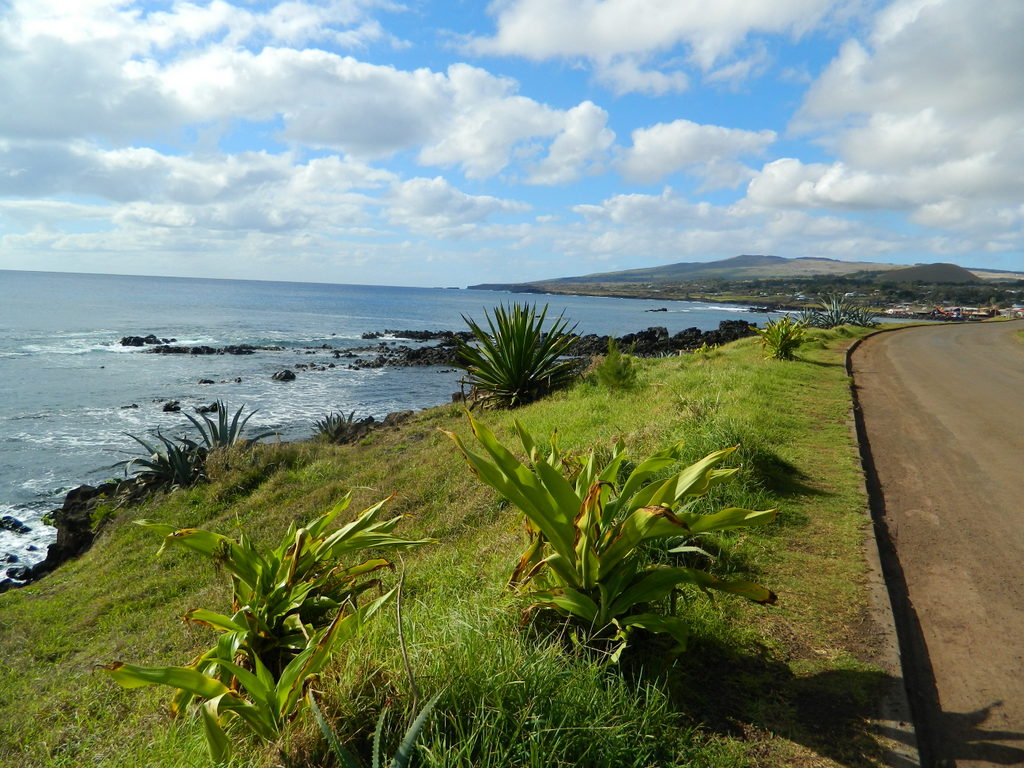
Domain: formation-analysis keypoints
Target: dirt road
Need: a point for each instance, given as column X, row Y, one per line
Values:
column 943, row 413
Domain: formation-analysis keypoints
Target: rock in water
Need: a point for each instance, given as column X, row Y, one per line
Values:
column 285, row 375
column 13, row 524
column 19, row 572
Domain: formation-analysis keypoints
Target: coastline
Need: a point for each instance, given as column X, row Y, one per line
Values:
column 74, row 528
column 754, row 304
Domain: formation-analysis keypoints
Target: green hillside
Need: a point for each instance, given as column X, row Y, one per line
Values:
column 735, row 268
column 791, row 684
column 930, row 273
column 749, row 268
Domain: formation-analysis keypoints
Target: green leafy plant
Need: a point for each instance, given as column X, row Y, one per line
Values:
column 167, row 463
column 836, row 310
column 588, row 557
column 515, row 361
column 223, row 433
column 402, row 755
column 291, row 607
column 781, row 338
column 617, row 370
column 340, row 429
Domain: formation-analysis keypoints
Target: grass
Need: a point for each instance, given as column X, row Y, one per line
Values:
column 785, row 686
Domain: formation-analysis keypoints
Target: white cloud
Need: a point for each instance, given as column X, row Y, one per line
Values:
column 667, row 228
column 485, row 120
column 434, row 207
column 616, row 36
column 710, row 151
column 738, row 72
column 624, row 75
column 110, row 72
column 584, row 140
column 106, row 68
column 926, row 118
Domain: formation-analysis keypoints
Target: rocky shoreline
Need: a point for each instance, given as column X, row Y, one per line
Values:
column 74, row 519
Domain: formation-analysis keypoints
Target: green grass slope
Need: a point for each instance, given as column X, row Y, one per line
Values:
column 789, row 685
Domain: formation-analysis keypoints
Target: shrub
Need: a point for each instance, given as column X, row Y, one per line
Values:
column 617, row 371
column 588, row 556
column 222, row 433
column 292, row 606
column 781, row 338
column 837, row 310
column 516, row 361
column 167, row 463
column 340, row 429
column 181, row 462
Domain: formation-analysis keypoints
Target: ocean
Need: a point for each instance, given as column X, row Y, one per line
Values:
column 71, row 392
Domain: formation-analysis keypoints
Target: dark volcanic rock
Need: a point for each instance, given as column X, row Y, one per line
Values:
column 73, row 522
column 172, row 406
column 655, row 342
column 445, row 337
column 206, row 381
column 13, row 524
column 19, row 572
column 285, row 375
column 234, row 349
column 211, row 408
column 395, row 418
column 141, row 341
column 7, row 558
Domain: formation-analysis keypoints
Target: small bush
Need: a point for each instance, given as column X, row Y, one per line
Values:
column 781, row 338
column 617, row 371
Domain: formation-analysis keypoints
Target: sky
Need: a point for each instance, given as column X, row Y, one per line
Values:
column 452, row 143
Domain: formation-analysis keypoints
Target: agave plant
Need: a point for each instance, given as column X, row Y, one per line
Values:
column 588, row 557
column 339, row 429
column 167, row 463
column 836, row 310
column 515, row 361
column 781, row 338
column 292, row 606
column 347, row 759
column 223, row 433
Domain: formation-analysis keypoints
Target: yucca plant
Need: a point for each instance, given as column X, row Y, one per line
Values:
column 515, row 361
column 291, row 607
column 166, row 463
column 781, row 338
column 588, row 557
column 836, row 310
column 339, row 429
column 348, row 759
column 223, row 433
